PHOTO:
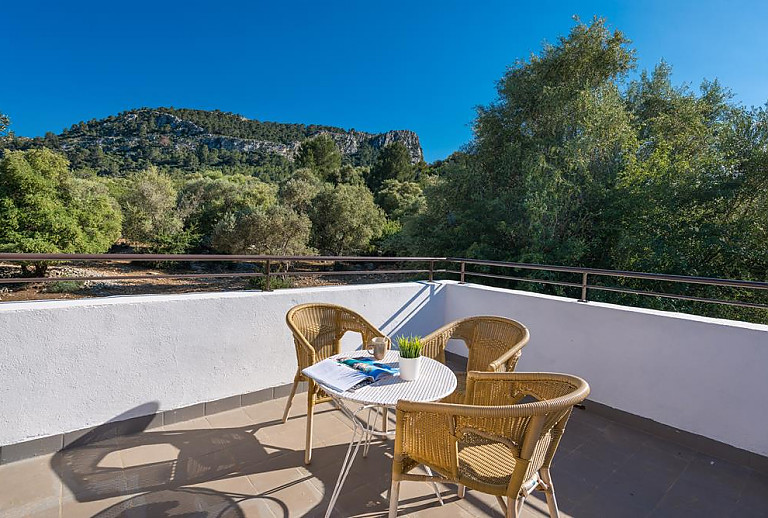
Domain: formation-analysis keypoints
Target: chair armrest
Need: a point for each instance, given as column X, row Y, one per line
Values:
column 368, row 331
column 508, row 360
column 433, row 345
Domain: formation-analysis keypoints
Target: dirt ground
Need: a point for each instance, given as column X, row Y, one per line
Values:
column 63, row 289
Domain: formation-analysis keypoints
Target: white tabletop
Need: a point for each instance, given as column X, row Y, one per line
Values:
column 435, row 382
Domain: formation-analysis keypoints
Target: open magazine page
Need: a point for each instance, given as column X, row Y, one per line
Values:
column 372, row 368
column 348, row 373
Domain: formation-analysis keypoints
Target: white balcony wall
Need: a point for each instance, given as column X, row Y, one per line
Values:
column 68, row 365
column 702, row 375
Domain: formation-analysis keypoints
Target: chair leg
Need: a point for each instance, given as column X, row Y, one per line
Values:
column 554, row 512
column 290, row 398
column 385, row 422
column 461, row 491
column 310, row 413
column 394, row 495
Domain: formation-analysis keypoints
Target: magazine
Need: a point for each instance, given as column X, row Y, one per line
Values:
column 349, row 373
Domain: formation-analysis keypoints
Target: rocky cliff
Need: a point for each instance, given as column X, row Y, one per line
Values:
column 131, row 133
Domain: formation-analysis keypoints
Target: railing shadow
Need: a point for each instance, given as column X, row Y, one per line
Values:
column 405, row 316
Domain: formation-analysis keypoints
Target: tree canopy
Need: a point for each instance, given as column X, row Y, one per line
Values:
column 393, row 163
column 44, row 209
column 573, row 164
column 345, row 220
column 319, row 154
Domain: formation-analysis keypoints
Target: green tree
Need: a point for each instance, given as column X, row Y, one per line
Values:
column 349, row 174
column 319, row 154
column 44, row 209
column 693, row 202
column 400, row 199
column 272, row 230
column 345, row 220
column 300, row 190
column 393, row 163
column 206, row 199
column 5, row 122
column 148, row 200
column 546, row 153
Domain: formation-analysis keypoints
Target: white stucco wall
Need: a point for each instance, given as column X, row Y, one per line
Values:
column 68, row 365
column 702, row 375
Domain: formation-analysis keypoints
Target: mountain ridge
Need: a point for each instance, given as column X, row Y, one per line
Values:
column 185, row 128
column 188, row 139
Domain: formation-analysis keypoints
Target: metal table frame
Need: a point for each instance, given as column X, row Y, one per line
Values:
column 365, row 430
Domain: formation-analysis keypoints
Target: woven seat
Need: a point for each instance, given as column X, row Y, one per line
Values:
column 317, row 332
column 494, row 343
column 494, row 442
column 490, row 463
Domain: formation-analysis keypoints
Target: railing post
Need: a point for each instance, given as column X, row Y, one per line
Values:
column 463, row 269
column 267, row 269
column 431, row 271
column 583, row 287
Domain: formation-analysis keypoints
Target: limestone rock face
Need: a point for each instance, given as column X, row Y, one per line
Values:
column 166, row 128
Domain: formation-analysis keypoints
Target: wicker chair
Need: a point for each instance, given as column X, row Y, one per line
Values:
column 495, row 344
column 495, row 443
column 317, row 331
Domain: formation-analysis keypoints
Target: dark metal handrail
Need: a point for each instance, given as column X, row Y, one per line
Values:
column 267, row 261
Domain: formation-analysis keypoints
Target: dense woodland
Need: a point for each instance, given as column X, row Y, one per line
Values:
column 581, row 160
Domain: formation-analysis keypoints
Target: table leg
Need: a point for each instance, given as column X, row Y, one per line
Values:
column 434, row 486
column 372, row 426
column 365, row 432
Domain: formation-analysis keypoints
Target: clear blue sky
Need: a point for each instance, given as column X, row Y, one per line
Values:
column 367, row 65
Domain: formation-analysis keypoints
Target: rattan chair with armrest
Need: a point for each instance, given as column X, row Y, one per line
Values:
column 494, row 443
column 494, row 344
column 317, row 332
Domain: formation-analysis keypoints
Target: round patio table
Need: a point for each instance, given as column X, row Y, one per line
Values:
column 435, row 382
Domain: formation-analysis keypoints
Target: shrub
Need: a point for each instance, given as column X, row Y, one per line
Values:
column 64, row 287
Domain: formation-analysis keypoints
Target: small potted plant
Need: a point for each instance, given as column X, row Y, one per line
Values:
column 410, row 357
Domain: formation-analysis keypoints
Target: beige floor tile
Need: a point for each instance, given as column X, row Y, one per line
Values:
column 419, row 497
column 74, row 509
column 231, row 419
column 200, row 423
column 143, row 454
column 289, row 492
column 29, row 487
column 271, row 412
column 256, row 508
column 242, row 493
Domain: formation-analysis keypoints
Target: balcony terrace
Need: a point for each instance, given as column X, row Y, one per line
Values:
column 170, row 405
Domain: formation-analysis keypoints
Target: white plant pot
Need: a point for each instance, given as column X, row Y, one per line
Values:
column 410, row 368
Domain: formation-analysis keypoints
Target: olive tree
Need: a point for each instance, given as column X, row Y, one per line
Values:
column 345, row 219
column 148, row 201
column 272, row 230
column 45, row 209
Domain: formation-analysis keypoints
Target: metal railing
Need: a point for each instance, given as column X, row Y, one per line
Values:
column 267, row 263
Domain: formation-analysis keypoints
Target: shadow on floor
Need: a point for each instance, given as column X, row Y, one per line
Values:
column 165, row 487
column 601, row 469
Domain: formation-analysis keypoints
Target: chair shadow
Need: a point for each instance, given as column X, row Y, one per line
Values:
column 170, row 487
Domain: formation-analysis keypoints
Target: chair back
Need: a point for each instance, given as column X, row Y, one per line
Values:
column 507, row 430
column 488, row 338
column 318, row 329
